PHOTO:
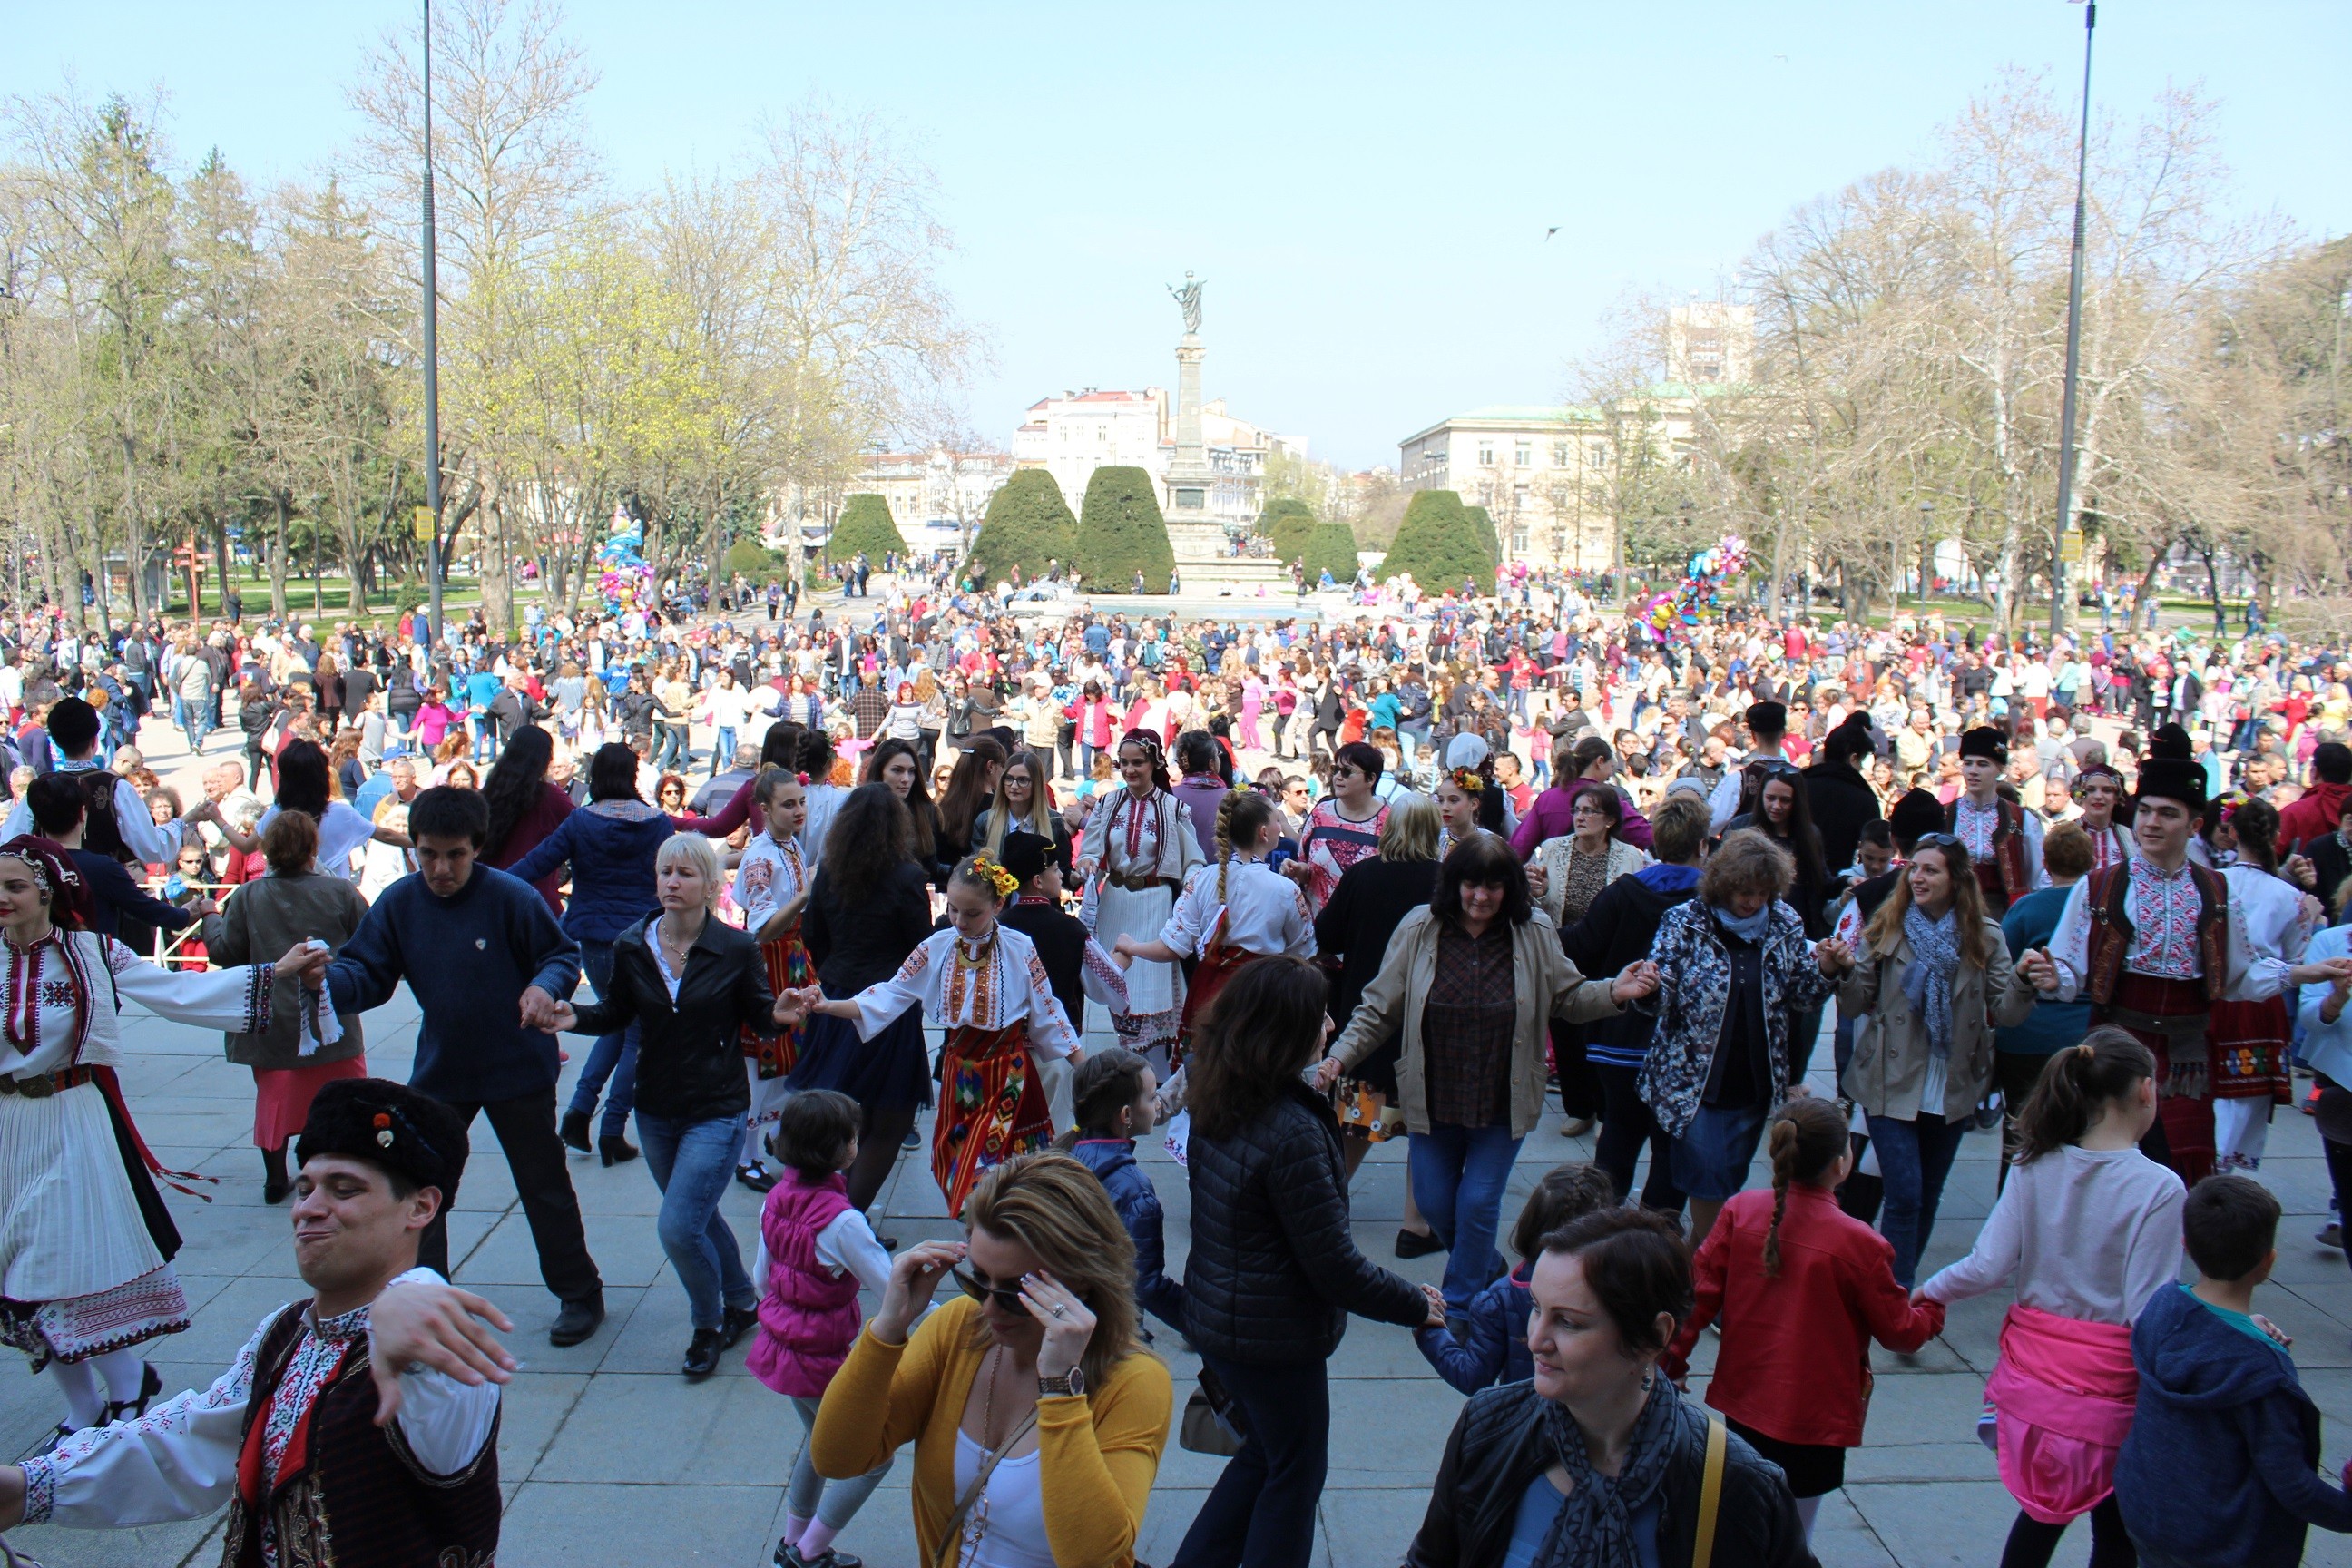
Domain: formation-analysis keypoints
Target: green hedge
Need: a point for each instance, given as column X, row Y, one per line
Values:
column 865, row 524
column 1441, row 542
column 1121, row 532
column 1330, row 548
column 1288, row 521
column 755, row 562
column 1028, row 525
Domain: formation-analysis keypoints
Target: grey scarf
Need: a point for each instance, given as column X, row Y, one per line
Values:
column 1927, row 978
column 1594, row 1527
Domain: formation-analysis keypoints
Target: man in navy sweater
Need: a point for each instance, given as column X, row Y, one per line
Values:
column 487, row 964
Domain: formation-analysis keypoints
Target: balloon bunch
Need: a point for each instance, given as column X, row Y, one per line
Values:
column 1674, row 614
column 627, row 576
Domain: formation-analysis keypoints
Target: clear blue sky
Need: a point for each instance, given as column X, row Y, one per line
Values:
column 1364, row 186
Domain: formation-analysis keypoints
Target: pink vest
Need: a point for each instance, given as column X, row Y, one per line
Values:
column 808, row 1317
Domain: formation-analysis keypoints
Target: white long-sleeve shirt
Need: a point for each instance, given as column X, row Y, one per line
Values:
column 2253, row 975
column 1265, row 912
column 1008, row 984
column 2089, row 1234
column 179, row 1460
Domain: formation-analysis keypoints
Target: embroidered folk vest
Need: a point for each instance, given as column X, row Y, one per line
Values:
column 2107, row 895
column 2006, row 877
column 349, row 1494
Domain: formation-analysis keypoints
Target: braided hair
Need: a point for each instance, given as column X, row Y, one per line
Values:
column 1807, row 1137
column 1242, row 816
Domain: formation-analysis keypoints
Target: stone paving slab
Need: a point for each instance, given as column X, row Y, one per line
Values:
column 607, row 1455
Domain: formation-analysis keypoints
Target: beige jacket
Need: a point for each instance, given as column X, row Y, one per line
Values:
column 1890, row 1051
column 1544, row 983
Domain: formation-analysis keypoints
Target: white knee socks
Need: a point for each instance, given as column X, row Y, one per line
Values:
column 78, row 1381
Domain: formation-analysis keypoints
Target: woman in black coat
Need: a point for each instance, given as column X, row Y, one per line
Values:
column 692, row 984
column 869, row 906
column 1610, row 1291
column 1272, row 1272
column 1841, row 799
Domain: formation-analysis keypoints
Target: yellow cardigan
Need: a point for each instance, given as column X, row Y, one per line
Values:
column 1097, row 1454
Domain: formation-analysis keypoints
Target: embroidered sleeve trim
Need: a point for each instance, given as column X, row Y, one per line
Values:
column 260, row 981
column 40, row 1490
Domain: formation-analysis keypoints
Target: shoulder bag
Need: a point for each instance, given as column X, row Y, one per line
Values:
column 952, row 1537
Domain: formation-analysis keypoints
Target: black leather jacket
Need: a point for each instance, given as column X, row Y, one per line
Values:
column 1274, row 1271
column 1497, row 1452
column 689, row 1053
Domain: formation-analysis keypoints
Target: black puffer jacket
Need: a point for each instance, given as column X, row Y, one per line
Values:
column 1843, row 804
column 1497, row 1450
column 1274, row 1272
column 689, row 1051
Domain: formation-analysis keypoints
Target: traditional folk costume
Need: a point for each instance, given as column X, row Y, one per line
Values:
column 1143, row 849
column 2003, row 839
column 2249, row 1040
column 86, row 1243
column 287, row 1437
column 2155, row 950
column 2110, row 846
column 997, row 1004
column 773, row 875
column 1230, row 916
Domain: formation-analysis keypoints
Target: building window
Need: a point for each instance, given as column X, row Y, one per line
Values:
column 1485, row 453
column 1559, row 543
column 1560, row 454
column 1519, row 541
column 1597, row 456
column 1523, row 454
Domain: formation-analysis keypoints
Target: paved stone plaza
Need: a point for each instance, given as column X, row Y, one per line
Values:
column 609, row 1457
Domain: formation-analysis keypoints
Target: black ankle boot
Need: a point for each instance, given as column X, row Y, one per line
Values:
column 574, row 1131
column 274, row 1183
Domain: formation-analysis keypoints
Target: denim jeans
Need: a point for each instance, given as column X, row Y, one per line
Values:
column 669, row 749
column 1913, row 1158
column 692, row 1162
column 722, row 749
column 613, row 1056
column 1260, row 1513
column 1458, row 1176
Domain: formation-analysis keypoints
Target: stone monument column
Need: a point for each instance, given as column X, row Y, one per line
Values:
column 1192, row 533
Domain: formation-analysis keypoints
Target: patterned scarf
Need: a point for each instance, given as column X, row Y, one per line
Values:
column 1927, row 978
column 1594, row 1527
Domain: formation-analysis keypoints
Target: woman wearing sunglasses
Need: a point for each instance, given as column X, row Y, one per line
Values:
column 1037, row 1418
column 1934, row 976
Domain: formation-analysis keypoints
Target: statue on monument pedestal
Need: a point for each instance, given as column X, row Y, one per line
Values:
column 1188, row 295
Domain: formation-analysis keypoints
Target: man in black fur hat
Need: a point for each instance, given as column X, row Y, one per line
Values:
column 2003, row 838
column 363, row 1421
column 2152, row 945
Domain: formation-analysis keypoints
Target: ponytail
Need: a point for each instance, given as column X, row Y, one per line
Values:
column 2074, row 1084
column 1807, row 1137
column 1225, row 839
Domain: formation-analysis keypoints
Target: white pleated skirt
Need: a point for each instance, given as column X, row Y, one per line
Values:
column 69, row 1223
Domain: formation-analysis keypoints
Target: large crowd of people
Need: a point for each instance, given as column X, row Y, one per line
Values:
column 1269, row 889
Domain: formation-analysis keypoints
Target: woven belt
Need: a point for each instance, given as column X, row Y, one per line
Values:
column 41, row 1086
column 1141, row 884
column 2180, row 1026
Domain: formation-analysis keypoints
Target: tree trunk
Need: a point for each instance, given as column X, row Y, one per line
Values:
column 498, row 583
column 281, row 505
column 135, row 541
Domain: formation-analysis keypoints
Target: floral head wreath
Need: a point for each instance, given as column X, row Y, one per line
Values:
column 1005, row 883
column 2230, row 802
column 1469, row 781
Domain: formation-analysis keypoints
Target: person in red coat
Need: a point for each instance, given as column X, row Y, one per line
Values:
column 1802, row 1289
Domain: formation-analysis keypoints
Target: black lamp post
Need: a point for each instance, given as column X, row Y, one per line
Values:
column 2073, row 343
column 432, row 357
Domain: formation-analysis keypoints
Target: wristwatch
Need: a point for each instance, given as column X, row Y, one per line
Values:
column 1071, row 1385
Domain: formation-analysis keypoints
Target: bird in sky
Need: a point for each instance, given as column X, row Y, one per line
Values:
column 1552, row 230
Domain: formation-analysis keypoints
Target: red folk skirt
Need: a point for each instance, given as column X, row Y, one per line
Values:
column 2184, row 1074
column 1220, row 962
column 992, row 1108
column 788, row 968
column 282, row 1096
column 2248, row 1045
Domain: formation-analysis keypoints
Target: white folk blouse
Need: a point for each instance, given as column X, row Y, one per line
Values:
column 1002, row 983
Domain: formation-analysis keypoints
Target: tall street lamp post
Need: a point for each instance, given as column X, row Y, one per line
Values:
column 432, row 357
column 2073, row 343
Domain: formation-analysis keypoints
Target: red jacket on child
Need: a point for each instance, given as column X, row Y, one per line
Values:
column 1794, row 1363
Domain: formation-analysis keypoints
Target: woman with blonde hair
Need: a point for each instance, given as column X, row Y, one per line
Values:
column 692, row 984
column 1021, row 805
column 1037, row 1416
column 1934, row 976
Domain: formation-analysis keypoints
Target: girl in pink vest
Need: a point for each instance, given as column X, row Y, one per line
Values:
column 818, row 1251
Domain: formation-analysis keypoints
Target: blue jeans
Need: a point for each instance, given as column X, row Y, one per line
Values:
column 722, row 749
column 1458, row 1176
column 1262, row 1509
column 613, row 1055
column 692, row 1162
column 1913, row 1159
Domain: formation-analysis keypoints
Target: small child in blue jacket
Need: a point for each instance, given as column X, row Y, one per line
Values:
column 1112, row 1096
column 2220, row 1470
column 1486, row 1341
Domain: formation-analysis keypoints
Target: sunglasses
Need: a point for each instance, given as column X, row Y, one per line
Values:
column 1007, row 1298
column 1941, row 841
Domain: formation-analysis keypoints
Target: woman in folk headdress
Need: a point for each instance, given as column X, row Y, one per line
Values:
column 86, row 1243
column 1139, row 848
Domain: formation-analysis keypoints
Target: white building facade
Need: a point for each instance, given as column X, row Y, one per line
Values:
column 1072, row 435
column 1541, row 472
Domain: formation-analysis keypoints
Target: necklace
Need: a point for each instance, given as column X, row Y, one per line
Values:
column 988, row 1403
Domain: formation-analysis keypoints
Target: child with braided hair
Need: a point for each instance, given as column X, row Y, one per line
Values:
column 1801, row 1288
column 1232, row 912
